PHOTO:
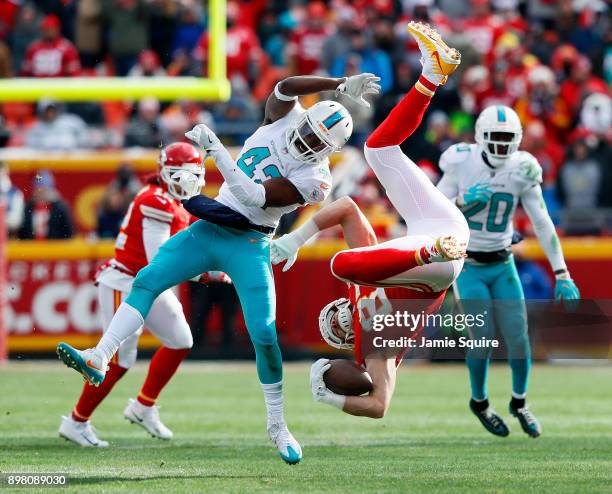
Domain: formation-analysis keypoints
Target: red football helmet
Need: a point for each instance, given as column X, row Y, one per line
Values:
column 181, row 168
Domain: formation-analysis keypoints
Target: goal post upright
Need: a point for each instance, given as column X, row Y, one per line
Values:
column 215, row 87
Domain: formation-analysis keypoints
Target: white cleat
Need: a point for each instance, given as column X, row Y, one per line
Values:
column 289, row 449
column 147, row 418
column 443, row 249
column 81, row 433
column 90, row 363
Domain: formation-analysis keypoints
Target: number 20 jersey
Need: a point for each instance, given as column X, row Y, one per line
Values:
column 265, row 156
column 491, row 223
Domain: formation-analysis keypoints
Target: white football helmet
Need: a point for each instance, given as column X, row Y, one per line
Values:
column 339, row 316
column 321, row 130
column 499, row 133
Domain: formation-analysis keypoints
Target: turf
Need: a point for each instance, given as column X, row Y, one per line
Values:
column 429, row 442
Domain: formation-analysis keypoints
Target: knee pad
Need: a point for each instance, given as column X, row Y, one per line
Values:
column 148, row 279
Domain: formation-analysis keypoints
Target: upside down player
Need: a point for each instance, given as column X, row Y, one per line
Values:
column 281, row 167
column 154, row 215
column 421, row 265
column 487, row 180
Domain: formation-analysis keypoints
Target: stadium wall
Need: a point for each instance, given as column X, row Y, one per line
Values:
column 51, row 296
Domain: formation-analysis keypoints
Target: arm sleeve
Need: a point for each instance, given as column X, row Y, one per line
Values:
column 154, row 234
column 244, row 189
column 535, row 207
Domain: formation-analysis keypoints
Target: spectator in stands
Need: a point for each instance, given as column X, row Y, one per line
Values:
column 144, row 130
column 52, row 55
column 56, row 130
column 163, row 23
column 46, row 216
column 5, row 134
column 242, row 48
column 306, row 44
column 579, row 184
column 365, row 59
column 187, row 33
column 128, row 31
column 148, row 65
column 25, row 32
column 6, row 64
column 481, row 26
column 116, row 200
column 339, row 43
column 12, row 199
column 88, row 32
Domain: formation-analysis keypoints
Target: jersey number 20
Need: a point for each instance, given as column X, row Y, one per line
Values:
column 499, row 199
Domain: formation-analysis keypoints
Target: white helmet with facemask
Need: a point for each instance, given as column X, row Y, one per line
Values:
column 499, row 133
column 321, row 130
column 336, row 324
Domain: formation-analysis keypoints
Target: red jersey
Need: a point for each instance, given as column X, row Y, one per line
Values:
column 151, row 202
column 57, row 58
column 383, row 303
column 241, row 47
column 306, row 45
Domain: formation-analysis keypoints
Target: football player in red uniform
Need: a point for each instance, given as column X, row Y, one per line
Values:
column 154, row 215
column 421, row 265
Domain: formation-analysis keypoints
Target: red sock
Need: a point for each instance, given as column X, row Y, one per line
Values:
column 373, row 266
column 404, row 118
column 161, row 369
column 92, row 396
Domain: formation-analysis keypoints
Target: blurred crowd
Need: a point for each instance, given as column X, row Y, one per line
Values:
column 549, row 59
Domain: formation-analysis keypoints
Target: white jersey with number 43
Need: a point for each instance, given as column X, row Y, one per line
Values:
column 491, row 225
column 264, row 156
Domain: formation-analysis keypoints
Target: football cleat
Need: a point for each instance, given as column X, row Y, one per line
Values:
column 90, row 363
column 81, row 433
column 490, row 420
column 147, row 418
column 289, row 449
column 438, row 59
column 529, row 423
column 443, row 249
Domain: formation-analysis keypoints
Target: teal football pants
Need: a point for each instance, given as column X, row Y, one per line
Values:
column 245, row 257
column 480, row 284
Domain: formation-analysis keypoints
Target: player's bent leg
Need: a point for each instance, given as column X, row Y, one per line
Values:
column 252, row 276
column 423, row 207
column 414, row 259
column 167, row 322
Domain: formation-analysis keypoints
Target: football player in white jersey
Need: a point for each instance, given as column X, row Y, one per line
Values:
column 487, row 180
column 282, row 166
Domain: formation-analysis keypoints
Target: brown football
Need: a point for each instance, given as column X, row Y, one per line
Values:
column 347, row 378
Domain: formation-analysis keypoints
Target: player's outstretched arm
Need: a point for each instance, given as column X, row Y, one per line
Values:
column 285, row 94
column 344, row 212
column 535, row 207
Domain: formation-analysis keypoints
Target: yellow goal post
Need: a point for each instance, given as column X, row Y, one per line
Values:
column 215, row 87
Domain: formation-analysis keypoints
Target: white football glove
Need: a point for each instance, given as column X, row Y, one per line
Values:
column 358, row 86
column 187, row 181
column 285, row 248
column 320, row 393
column 204, row 137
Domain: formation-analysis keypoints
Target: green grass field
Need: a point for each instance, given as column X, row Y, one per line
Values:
column 429, row 442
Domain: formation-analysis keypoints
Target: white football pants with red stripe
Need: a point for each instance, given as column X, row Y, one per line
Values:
column 166, row 321
column 428, row 215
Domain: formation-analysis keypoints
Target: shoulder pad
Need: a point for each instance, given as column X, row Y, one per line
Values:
column 457, row 153
column 529, row 167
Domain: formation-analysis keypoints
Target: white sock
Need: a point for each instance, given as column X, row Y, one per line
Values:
column 273, row 396
column 124, row 323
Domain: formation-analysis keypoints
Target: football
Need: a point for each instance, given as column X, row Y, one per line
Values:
column 347, row 378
